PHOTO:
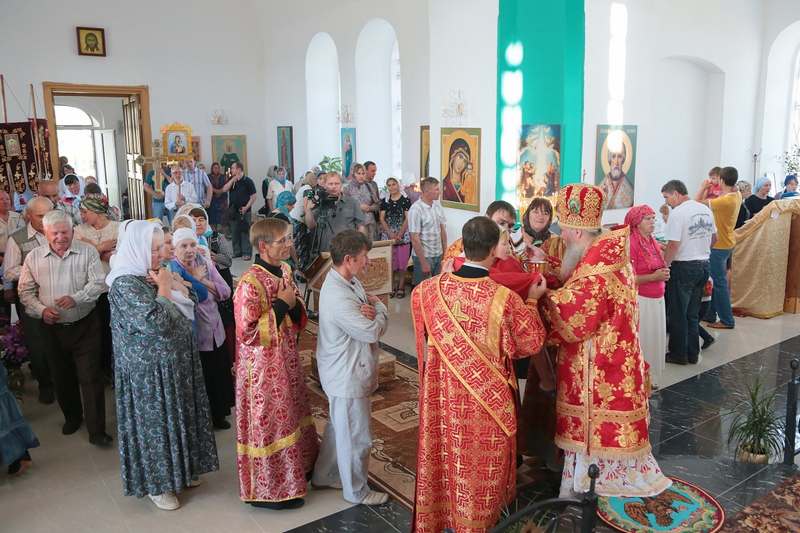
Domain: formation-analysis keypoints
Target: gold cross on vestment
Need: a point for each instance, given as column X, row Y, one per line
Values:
column 458, row 314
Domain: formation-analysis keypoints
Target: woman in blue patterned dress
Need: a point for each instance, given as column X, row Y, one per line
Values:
column 163, row 418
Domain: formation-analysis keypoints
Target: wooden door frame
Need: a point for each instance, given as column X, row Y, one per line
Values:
column 52, row 89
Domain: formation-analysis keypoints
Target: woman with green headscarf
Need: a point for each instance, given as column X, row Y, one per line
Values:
column 101, row 232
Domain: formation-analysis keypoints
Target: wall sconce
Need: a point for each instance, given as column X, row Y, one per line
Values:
column 455, row 108
column 345, row 115
column 218, row 117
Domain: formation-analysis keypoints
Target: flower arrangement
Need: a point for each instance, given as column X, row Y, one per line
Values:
column 791, row 160
column 13, row 354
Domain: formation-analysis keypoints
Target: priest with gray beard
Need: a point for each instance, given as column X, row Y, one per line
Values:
column 601, row 404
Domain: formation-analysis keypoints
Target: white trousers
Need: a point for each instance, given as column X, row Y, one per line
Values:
column 346, row 444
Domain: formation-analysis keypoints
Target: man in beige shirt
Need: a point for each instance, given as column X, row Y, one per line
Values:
column 18, row 245
column 60, row 284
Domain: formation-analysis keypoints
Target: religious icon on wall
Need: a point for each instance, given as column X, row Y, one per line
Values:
column 177, row 138
column 461, row 169
column 12, row 145
column 196, row 148
column 91, row 41
column 229, row 149
column 615, row 167
column 424, row 151
column 286, row 150
column 538, row 162
column 348, row 138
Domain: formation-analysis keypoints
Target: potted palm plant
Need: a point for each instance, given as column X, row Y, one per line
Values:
column 755, row 428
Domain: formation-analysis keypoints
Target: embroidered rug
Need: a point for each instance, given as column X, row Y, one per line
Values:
column 682, row 507
column 395, row 424
column 776, row 512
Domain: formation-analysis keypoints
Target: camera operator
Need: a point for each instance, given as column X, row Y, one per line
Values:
column 330, row 212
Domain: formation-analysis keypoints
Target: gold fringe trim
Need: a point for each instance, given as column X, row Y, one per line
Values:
column 614, row 454
column 278, row 445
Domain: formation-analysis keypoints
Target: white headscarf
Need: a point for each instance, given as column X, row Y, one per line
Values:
column 183, row 234
column 134, row 250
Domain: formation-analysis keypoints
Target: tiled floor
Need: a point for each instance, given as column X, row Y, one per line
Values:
column 75, row 487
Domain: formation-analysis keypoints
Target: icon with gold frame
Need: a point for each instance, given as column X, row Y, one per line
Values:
column 176, row 140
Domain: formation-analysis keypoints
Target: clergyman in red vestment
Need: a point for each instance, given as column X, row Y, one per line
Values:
column 602, row 413
column 276, row 442
column 468, row 331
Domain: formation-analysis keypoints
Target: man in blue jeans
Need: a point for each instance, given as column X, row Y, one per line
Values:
column 689, row 232
column 726, row 210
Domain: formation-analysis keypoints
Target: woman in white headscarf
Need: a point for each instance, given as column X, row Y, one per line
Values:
column 163, row 418
column 195, row 267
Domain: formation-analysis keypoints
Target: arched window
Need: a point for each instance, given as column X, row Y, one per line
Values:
column 397, row 113
column 322, row 98
column 378, row 98
column 74, row 130
column 67, row 115
column 794, row 118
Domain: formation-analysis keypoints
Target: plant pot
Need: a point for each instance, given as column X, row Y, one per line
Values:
column 743, row 456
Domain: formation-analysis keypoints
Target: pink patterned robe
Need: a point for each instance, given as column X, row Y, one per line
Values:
column 275, row 436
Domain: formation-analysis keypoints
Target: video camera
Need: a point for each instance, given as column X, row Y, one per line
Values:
column 320, row 197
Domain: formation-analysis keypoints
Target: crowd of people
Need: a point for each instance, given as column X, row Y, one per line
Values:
column 151, row 305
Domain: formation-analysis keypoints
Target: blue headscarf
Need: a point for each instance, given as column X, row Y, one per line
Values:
column 284, row 200
column 760, row 183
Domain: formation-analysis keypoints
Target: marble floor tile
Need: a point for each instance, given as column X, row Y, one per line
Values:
column 759, row 484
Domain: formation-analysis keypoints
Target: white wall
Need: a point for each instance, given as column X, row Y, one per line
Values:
column 194, row 57
column 288, row 31
column 469, row 64
column 722, row 36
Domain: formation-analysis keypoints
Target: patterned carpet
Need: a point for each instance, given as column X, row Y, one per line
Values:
column 777, row 512
column 395, row 423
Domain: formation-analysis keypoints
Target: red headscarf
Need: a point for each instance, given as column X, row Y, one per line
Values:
column 645, row 251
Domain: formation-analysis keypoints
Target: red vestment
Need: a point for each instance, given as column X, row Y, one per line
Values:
column 509, row 273
column 601, row 405
column 469, row 330
column 275, row 436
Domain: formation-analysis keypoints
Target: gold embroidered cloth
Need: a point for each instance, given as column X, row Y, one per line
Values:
column 762, row 281
column 601, row 406
column 470, row 330
column 275, row 436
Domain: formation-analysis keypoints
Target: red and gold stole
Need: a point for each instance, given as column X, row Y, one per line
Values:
column 487, row 382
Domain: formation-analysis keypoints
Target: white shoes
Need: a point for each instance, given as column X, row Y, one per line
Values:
column 375, row 498
column 194, row 483
column 166, row 502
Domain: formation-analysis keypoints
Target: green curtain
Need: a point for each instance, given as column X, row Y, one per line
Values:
column 541, row 41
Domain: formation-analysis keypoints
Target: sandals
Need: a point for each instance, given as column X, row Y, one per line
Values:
column 400, row 294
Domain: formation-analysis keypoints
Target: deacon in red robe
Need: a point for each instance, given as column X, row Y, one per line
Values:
column 276, row 442
column 601, row 404
column 469, row 329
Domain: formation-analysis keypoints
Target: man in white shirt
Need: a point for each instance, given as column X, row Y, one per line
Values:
column 10, row 221
column 690, row 232
column 426, row 225
column 351, row 322
column 179, row 192
column 199, row 180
